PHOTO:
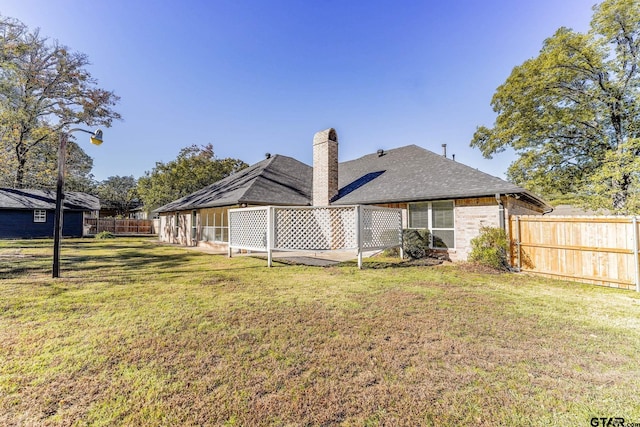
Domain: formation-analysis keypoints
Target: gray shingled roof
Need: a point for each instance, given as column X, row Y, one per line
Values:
column 278, row 180
column 403, row 174
column 412, row 173
column 12, row 198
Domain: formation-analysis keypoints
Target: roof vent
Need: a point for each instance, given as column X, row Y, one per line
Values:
column 444, row 150
column 267, row 155
column 380, row 152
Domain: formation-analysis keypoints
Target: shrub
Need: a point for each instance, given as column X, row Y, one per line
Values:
column 415, row 243
column 105, row 235
column 491, row 248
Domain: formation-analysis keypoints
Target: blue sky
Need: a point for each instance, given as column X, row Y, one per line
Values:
column 252, row 77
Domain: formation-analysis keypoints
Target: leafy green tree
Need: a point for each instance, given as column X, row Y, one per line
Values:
column 44, row 89
column 41, row 168
column 119, row 193
column 572, row 114
column 193, row 169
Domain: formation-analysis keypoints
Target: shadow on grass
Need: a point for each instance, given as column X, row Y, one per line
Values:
column 425, row 262
column 16, row 266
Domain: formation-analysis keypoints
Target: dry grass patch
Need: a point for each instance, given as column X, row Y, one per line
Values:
column 137, row 333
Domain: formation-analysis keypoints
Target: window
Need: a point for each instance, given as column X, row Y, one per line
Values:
column 442, row 230
column 39, row 215
column 419, row 215
column 214, row 225
column 438, row 218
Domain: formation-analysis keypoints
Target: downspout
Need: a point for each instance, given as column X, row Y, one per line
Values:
column 500, row 212
column 501, row 222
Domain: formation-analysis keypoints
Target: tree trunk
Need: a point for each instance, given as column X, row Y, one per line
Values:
column 19, row 181
column 621, row 192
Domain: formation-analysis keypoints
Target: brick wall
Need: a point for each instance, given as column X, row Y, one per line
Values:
column 470, row 216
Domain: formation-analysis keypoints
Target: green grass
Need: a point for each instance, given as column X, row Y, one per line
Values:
column 137, row 333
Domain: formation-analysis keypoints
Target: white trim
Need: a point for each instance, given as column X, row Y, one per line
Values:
column 430, row 222
column 39, row 215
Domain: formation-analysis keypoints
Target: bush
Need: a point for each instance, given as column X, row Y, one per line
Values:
column 491, row 248
column 415, row 243
column 105, row 235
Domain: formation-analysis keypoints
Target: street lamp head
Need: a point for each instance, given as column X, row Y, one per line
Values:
column 96, row 138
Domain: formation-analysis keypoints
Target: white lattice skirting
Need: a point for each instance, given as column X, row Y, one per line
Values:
column 275, row 228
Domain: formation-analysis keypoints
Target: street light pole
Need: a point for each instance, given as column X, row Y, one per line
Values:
column 96, row 139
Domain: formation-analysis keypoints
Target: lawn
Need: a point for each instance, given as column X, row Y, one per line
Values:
column 138, row 333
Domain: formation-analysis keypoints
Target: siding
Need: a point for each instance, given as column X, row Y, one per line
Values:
column 18, row 224
column 167, row 232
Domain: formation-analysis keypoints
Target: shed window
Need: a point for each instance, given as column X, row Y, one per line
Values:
column 39, row 215
column 438, row 218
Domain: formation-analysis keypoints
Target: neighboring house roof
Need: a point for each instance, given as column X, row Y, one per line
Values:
column 570, row 210
column 404, row 174
column 412, row 173
column 13, row 198
column 278, row 180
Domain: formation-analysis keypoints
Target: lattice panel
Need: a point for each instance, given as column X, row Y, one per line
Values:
column 248, row 228
column 315, row 228
column 381, row 228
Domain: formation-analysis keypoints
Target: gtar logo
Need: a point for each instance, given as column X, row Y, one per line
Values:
column 607, row 422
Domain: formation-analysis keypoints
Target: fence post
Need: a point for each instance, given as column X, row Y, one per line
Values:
column 229, row 242
column 519, row 261
column 358, row 212
column 401, row 235
column 635, row 252
column 270, row 221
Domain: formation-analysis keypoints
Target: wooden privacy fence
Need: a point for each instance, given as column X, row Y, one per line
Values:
column 599, row 250
column 119, row 226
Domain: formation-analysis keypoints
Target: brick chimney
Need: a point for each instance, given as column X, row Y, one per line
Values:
column 325, row 167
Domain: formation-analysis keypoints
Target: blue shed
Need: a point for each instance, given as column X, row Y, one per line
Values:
column 26, row 213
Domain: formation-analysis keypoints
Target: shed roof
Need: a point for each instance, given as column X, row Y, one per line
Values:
column 14, row 198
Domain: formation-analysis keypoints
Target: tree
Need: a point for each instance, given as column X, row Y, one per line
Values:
column 44, row 89
column 119, row 193
column 41, row 168
column 572, row 114
column 193, row 169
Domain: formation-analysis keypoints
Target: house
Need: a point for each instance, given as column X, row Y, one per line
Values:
column 448, row 198
column 30, row 213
